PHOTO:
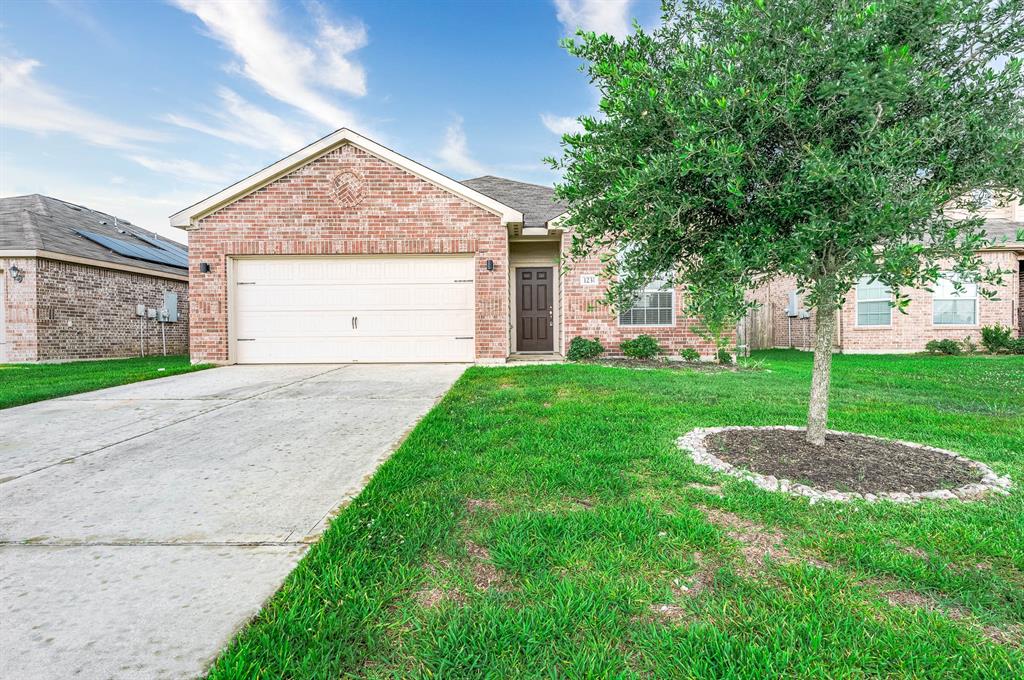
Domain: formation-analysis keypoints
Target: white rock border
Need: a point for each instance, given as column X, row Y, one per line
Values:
column 693, row 441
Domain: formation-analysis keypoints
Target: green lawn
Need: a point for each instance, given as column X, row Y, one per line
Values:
column 539, row 522
column 25, row 383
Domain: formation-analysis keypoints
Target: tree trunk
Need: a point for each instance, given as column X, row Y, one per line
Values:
column 817, row 412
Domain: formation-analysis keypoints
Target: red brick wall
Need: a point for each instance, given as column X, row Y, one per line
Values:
column 398, row 213
column 89, row 312
column 908, row 332
column 19, row 302
column 911, row 331
column 585, row 315
column 64, row 310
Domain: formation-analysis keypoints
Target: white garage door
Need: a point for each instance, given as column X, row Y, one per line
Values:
column 353, row 309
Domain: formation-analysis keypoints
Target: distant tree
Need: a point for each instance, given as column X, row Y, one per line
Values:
column 824, row 139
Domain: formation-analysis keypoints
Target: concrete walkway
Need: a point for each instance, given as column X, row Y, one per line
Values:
column 142, row 525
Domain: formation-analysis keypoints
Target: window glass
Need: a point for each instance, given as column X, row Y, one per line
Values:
column 953, row 308
column 873, row 308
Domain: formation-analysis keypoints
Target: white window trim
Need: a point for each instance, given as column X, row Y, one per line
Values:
column 856, row 310
column 649, row 289
column 977, row 308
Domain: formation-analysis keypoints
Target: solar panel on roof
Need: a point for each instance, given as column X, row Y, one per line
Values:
column 164, row 245
column 137, row 251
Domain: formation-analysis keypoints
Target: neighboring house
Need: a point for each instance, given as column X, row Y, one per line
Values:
column 71, row 281
column 867, row 324
column 346, row 251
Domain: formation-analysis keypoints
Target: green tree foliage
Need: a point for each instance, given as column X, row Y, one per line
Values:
column 824, row 139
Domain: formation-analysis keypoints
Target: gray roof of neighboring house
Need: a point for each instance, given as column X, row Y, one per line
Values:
column 537, row 203
column 37, row 222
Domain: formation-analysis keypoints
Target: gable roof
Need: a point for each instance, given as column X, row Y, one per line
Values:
column 537, row 202
column 50, row 225
column 324, row 145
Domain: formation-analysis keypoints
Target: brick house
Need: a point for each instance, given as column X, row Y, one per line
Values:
column 867, row 324
column 347, row 251
column 71, row 280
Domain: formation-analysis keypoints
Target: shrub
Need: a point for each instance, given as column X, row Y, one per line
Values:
column 581, row 349
column 1016, row 346
column 724, row 357
column 996, row 338
column 943, row 347
column 689, row 354
column 970, row 347
column 641, row 347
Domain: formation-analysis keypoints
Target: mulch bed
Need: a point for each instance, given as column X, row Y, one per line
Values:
column 845, row 462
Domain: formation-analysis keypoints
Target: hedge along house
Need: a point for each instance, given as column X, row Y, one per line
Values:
column 72, row 281
column 867, row 323
column 347, row 251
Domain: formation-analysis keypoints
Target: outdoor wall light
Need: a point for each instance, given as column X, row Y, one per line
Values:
column 490, row 265
column 204, row 267
column 17, row 273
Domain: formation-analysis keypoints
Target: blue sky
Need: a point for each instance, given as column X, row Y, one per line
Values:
column 141, row 108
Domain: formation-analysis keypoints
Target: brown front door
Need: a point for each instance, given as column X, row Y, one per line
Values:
column 534, row 316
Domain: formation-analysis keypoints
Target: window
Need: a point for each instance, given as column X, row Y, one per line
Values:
column 653, row 306
column 873, row 303
column 950, row 308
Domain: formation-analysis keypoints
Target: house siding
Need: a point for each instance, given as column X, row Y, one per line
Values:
column 63, row 311
column 586, row 315
column 908, row 332
column 397, row 213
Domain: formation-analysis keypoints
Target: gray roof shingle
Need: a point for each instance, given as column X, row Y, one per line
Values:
column 537, row 203
column 37, row 222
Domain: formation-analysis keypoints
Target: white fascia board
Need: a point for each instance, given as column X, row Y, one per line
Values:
column 185, row 218
column 556, row 223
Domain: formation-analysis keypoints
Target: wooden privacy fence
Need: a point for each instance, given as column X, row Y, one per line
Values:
column 754, row 330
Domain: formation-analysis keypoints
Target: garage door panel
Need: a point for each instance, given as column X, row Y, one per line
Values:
column 412, row 270
column 296, row 324
column 347, row 297
column 354, row 309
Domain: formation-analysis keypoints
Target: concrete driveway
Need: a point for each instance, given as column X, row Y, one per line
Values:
column 142, row 525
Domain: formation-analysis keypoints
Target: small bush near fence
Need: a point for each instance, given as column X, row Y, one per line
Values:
column 943, row 347
column 724, row 356
column 641, row 347
column 581, row 349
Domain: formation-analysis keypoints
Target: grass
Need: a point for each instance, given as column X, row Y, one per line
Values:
column 540, row 522
column 25, row 383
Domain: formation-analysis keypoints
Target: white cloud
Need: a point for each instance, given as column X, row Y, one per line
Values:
column 561, row 125
column 335, row 41
column 184, row 169
column 600, row 16
column 455, row 152
column 241, row 122
column 27, row 104
column 285, row 66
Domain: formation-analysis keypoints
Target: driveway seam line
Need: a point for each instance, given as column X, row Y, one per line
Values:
column 231, row 402
column 155, row 544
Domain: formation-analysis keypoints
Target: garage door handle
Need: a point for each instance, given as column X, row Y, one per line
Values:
column 355, row 322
